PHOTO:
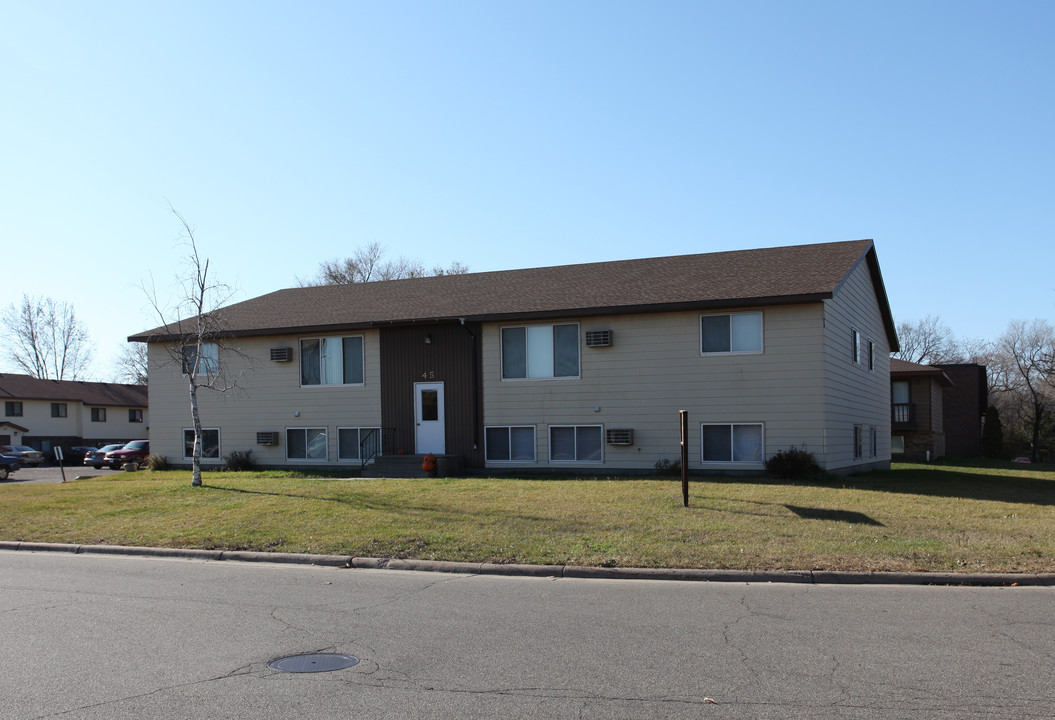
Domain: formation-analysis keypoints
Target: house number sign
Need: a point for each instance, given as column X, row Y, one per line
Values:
column 428, row 375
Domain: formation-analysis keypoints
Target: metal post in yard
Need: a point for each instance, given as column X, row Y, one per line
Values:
column 684, row 456
column 58, row 456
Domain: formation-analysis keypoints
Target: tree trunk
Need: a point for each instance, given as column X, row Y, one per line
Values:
column 196, row 453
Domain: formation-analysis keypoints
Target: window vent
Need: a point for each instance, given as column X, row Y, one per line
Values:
column 622, row 436
column 598, row 338
column 267, row 438
column 281, row 354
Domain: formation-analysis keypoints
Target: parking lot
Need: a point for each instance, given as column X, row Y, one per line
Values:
column 53, row 474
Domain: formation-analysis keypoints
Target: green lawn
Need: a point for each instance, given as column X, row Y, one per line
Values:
column 913, row 517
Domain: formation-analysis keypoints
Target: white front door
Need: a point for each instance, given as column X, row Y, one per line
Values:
column 428, row 416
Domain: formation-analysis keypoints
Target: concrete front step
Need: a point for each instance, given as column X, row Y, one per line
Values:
column 409, row 466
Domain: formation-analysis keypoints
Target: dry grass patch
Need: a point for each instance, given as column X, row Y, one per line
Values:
column 910, row 518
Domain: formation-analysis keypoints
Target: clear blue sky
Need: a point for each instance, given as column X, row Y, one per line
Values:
column 518, row 134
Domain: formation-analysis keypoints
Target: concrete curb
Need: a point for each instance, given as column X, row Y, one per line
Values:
column 810, row 577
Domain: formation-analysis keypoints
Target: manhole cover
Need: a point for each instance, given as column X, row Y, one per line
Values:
column 313, row 662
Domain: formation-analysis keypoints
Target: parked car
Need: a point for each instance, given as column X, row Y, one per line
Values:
column 135, row 451
column 25, row 454
column 97, row 457
column 7, row 466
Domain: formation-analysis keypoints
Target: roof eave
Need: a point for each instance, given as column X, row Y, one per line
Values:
column 559, row 313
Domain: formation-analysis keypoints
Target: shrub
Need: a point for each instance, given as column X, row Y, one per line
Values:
column 668, row 467
column 156, row 462
column 992, row 434
column 793, row 464
column 239, row 460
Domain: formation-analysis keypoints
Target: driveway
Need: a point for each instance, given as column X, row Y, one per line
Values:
column 52, row 474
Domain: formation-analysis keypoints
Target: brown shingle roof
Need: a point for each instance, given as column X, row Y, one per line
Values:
column 903, row 368
column 801, row 273
column 27, row 387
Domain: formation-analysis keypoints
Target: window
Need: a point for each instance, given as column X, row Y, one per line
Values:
column 98, row 414
column 331, row 361
column 871, row 355
column 873, row 442
column 897, row 444
column 540, row 351
column 13, row 409
column 135, row 415
column 210, row 359
column 731, row 442
column 733, row 333
column 306, row 444
column 358, row 443
column 576, row 443
column 510, row 444
column 58, row 410
column 855, row 346
column 210, row 443
column 858, row 442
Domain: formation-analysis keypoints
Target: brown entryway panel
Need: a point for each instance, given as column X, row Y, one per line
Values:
column 440, row 353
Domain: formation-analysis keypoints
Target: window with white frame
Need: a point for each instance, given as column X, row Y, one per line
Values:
column 855, row 346
column 510, row 443
column 731, row 333
column 356, row 443
column 307, row 444
column 209, row 364
column 576, row 443
column 540, row 351
column 210, row 443
column 731, row 442
column 331, row 360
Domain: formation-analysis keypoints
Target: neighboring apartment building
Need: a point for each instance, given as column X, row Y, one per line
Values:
column 47, row 413
column 570, row 368
column 936, row 410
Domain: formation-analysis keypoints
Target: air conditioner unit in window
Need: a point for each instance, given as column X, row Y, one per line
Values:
column 267, row 438
column 598, row 338
column 281, row 354
column 621, row 436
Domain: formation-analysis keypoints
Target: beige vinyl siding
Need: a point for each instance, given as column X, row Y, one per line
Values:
column 936, row 407
column 653, row 369
column 115, row 428
column 855, row 395
column 36, row 415
column 267, row 398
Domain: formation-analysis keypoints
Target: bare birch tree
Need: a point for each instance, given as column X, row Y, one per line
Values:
column 45, row 339
column 193, row 333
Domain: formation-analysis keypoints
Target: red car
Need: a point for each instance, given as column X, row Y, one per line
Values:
column 135, row 451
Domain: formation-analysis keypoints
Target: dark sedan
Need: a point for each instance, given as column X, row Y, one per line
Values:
column 97, row 458
column 7, row 466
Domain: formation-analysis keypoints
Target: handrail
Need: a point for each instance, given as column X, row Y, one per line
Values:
column 372, row 443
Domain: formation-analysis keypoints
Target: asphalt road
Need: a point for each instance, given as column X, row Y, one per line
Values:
column 88, row 636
